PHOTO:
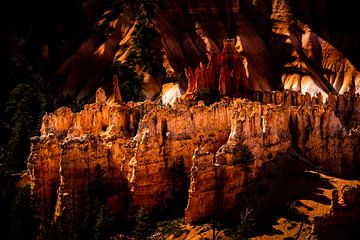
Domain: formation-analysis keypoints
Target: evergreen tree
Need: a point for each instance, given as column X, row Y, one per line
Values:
column 24, row 108
column 104, row 224
column 130, row 83
column 146, row 49
column 246, row 159
column 144, row 225
column 24, row 217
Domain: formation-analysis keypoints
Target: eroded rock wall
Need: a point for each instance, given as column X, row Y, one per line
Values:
column 343, row 219
column 150, row 155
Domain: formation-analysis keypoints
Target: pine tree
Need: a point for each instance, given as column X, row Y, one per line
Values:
column 146, row 40
column 24, row 108
column 144, row 225
column 104, row 224
column 246, row 159
column 25, row 224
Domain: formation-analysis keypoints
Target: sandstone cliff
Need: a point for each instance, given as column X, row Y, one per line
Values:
column 151, row 155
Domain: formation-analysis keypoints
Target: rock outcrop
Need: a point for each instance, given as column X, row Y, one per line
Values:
column 224, row 75
column 151, row 155
column 117, row 94
column 284, row 43
column 343, row 220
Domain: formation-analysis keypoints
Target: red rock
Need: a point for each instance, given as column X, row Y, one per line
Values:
column 225, row 72
column 147, row 151
column 117, row 94
column 343, row 216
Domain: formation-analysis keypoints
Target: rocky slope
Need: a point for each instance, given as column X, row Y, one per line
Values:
column 151, row 155
column 344, row 213
column 178, row 153
column 283, row 45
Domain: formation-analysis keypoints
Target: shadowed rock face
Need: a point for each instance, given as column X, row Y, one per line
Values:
column 344, row 216
column 156, row 156
column 284, row 44
column 152, row 155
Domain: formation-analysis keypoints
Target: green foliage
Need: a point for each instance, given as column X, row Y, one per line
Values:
column 203, row 94
column 206, row 95
column 104, row 224
column 146, row 49
column 130, row 83
column 24, row 217
column 172, row 228
column 292, row 212
column 24, row 108
column 246, row 158
column 144, row 225
column 76, row 104
column 148, row 10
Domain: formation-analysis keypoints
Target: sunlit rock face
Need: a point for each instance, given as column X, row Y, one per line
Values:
column 344, row 214
column 176, row 152
column 170, row 93
column 284, row 44
column 158, row 157
column 310, row 63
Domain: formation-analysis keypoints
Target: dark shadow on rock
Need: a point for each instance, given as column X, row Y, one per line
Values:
column 294, row 184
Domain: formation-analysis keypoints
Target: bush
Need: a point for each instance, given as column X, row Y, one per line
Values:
column 130, row 83
column 24, row 222
column 76, row 104
column 206, row 95
column 172, row 227
column 24, row 109
column 144, row 225
column 104, row 226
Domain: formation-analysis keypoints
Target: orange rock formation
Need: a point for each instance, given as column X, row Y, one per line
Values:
column 224, row 75
column 282, row 50
column 344, row 214
column 152, row 154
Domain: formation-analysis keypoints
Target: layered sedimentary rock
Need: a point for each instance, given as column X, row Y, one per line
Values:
column 268, row 130
column 344, row 216
column 150, row 155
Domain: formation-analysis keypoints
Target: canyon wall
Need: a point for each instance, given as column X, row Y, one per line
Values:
column 283, row 45
column 161, row 157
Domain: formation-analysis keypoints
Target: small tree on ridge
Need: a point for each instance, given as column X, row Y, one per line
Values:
column 246, row 159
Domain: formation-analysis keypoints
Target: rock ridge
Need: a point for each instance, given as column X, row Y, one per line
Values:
column 159, row 157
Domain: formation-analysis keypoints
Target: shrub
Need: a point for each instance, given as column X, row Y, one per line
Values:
column 144, row 225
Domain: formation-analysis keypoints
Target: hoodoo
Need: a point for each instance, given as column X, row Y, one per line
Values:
column 181, row 119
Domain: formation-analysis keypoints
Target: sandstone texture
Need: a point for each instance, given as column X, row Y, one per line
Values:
column 160, row 157
column 172, row 152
